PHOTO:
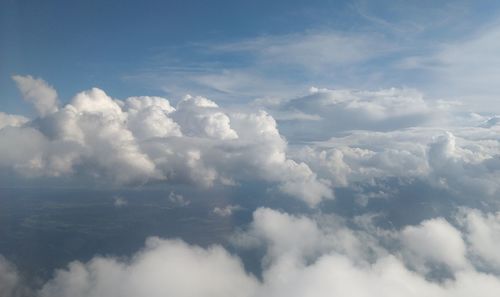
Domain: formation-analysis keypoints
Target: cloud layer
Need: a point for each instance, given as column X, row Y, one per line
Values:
column 305, row 256
column 357, row 137
column 337, row 139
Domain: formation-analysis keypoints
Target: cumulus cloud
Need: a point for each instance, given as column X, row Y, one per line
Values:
column 306, row 256
column 360, row 137
column 37, row 92
column 145, row 139
column 324, row 113
column 483, row 236
column 435, row 241
column 162, row 268
column 200, row 116
column 461, row 160
column 11, row 120
column 148, row 117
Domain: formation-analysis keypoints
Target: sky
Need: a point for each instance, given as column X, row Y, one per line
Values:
column 301, row 149
column 242, row 50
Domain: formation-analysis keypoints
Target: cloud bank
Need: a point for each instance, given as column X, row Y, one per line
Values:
column 354, row 138
column 144, row 139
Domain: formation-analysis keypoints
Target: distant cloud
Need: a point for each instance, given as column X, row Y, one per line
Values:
column 178, row 199
column 269, row 66
column 324, row 113
column 119, row 201
column 312, row 51
column 460, row 160
column 356, row 137
column 226, row 211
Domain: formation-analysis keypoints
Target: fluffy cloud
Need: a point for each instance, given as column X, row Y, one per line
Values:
column 11, row 284
column 11, row 120
column 306, row 256
column 162, row 268
column 435, row 241
column 145, row 139
column 148, row 117
column 324, row 113
column 201, row 117
column 483, row 236
column 226, row 211
column 323, row 264
column 38, row 92
column 460, row 160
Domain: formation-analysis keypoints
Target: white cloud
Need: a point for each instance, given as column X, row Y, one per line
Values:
column 461, row 160
column 306, row 239
column 38, row 92
column 200, row 116
column 434, row 241
column 12, row 120
column 178, row 199
column 313, row 51
column 120, row 201
column 162, row 268
column 324, row 112
column 23, row 150
column 145, row 139
column 148, row 117
column 272, row 66
column 483, row 236
column 226, row 211
column 307, row 256
column 10, row 281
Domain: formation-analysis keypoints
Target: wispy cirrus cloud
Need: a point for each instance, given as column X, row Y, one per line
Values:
column 268, row 66
column 466, row 69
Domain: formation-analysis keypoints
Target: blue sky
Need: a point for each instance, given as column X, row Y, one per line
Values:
column 242, row 50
